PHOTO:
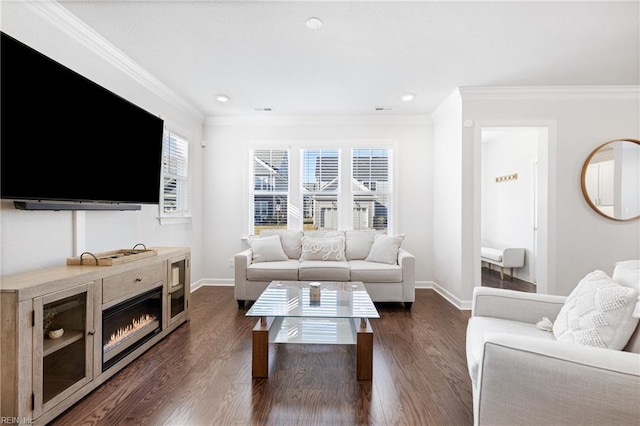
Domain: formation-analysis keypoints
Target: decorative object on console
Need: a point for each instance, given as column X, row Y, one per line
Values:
column 114, row 257
column 55, row 332
column 610, row 179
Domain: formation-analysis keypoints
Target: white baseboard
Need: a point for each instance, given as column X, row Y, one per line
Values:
column 463, row 305
column 212, row 282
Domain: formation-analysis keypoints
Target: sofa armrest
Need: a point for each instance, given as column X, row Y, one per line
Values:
column 241, row 261
column 515, row 305
column 407, row 262
column 525, row 380
column 513, row 257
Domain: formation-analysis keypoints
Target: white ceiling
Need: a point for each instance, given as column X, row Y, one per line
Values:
column 367, row 53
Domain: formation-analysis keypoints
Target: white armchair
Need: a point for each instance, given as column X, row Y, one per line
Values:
column 522, row 375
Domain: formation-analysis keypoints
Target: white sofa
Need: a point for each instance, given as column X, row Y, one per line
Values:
column 524, row 375
column 387, row 271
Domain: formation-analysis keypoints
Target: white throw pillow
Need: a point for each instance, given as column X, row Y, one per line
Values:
column 597, row 313
column 357, row 244
column 267, row 249
column 291, row 241
column 322, row 248
column 385, row 249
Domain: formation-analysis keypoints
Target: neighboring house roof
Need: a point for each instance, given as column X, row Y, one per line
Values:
column 267, row 170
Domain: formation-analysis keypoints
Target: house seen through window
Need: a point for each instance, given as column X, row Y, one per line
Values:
column 324, row 201
column 270, row 189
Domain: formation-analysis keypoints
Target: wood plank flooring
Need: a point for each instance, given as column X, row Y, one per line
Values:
column 201, row 374
column 491, row 278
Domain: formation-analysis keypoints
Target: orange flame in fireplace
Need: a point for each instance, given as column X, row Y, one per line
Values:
column 123, row 333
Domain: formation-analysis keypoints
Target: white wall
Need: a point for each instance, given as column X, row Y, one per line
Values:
column 580, row 240
column 447, row 245
column 226, row 176
column 38, row 239
column 507, row 207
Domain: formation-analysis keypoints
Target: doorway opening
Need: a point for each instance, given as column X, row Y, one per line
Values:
column 513, row 194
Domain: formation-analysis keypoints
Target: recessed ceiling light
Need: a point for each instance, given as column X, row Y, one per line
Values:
column 314, row 23
column 408, row 97
column 222, row 98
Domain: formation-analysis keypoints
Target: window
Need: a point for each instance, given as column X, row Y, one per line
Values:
column 175, row 177
column 371, row 188
column 270, row 189
column 320, row 189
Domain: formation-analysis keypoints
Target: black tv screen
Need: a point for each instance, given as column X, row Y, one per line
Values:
column 66, row 138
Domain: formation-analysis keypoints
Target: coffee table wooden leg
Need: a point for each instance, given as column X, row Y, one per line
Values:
column 260, row 348
column 364, row 349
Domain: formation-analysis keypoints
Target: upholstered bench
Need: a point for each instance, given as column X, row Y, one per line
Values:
column 505, row 257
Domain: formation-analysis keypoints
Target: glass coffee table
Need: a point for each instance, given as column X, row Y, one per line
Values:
column 306, row 312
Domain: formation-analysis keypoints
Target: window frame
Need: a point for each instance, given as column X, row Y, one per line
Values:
column 266, row 192
column 182, row 214
column 345, row 198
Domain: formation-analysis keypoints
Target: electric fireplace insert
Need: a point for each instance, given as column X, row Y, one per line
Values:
column 129, row 324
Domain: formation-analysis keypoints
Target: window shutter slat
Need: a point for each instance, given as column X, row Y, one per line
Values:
column 175, row 160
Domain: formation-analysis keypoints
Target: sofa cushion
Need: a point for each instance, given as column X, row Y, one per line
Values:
column 627, row 273
column 598, row 313
column 478, row 327
column 323, row 234
column 286, row 270
column 324, row 270
column 267, row 249
column 323, row 249
column 374, row 272
column 358, row 244
column 385, row 249
column 491, row 253
column 291, row 241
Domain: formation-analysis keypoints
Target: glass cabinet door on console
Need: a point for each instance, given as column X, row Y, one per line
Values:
column 63, row 345
column 178, row 290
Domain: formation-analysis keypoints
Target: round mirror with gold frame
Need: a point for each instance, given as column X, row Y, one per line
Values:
column 611, row 179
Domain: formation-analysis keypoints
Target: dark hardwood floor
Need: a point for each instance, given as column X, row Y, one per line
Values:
column 491, row 278
column 201, row 374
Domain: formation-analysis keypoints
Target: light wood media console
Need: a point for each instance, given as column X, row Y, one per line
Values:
column 40, row 377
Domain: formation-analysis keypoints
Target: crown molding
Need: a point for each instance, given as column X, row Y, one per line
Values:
column 550, row 92
column 316, row 120
column 59, row 16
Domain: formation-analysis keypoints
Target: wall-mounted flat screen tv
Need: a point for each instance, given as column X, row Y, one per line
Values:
column 66, row 138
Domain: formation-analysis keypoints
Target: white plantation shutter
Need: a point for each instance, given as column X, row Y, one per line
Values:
column 270, row 189
column 333, row 190
column 320, row 188
column 175, row 176
column 372, row 188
